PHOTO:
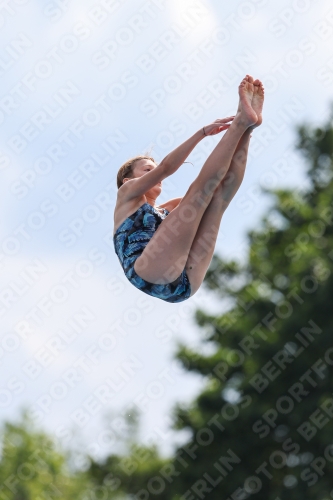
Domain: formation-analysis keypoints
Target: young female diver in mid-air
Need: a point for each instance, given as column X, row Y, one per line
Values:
column 165, row 250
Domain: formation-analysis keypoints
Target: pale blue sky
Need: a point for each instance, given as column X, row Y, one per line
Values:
column 76, row 76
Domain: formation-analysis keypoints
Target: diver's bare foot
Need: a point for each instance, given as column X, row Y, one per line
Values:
column 258, row 101
column 245, row 112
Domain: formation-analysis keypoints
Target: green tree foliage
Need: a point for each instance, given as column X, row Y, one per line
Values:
column 32, row 468
column 127, row 475
column 132, row 473
column 264, row 425
column 262, row 428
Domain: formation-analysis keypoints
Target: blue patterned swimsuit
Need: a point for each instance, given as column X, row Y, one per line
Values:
column 130, row 239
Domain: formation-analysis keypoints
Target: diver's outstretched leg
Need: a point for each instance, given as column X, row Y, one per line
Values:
column 166, row 254
column 203, row 245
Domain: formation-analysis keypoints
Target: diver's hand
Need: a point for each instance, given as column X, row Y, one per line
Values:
column 218, row 126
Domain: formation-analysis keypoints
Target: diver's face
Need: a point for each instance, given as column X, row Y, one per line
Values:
column 144, row 166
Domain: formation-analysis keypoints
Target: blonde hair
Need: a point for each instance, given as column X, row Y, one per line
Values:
column 126, row 170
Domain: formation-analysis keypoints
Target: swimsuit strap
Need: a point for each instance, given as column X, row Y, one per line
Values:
column 162, row 208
